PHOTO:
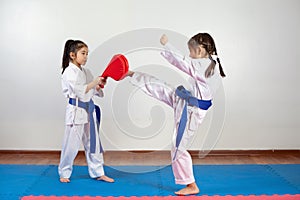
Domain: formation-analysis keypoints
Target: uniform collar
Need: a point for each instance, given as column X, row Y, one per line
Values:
column 75, row 66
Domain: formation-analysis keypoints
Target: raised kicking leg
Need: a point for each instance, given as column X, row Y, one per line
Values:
column 153, row 87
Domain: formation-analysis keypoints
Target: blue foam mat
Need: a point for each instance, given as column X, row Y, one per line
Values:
column 22, row 180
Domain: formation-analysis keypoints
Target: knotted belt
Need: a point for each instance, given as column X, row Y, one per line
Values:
column 191, row 101
column 90, row 107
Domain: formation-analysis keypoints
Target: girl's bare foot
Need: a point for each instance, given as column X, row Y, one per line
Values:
column 105, row 179
column 130, row 73
column 190, row 189
column 64, row 180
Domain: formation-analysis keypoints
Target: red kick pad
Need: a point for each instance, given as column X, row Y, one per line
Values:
column 117, row 67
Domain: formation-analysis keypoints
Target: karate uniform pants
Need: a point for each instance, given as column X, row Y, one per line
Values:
column 75, row 135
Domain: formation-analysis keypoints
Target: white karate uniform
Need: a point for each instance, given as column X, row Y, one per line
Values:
column 77, row 130
column 182, row 165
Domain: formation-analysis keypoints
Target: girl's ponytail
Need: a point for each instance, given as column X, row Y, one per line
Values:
column 220, row 68
column 211, row 68
column 66, row 55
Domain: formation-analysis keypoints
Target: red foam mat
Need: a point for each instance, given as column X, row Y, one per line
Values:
column 216, row 197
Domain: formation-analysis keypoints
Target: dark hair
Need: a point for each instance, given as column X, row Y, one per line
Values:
column 71, row 46
column 207, row 42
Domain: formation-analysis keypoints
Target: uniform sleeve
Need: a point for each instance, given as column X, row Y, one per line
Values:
column 184, row 63
column 90, row 78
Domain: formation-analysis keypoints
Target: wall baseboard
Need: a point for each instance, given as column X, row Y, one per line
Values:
column 192, row 152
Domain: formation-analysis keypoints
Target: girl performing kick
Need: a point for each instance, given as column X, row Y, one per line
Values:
column 190, row 107
column 82, row 115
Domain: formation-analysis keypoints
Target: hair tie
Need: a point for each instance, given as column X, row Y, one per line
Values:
column 215, row 57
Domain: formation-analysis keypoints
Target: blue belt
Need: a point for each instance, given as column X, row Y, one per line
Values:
column 191, row 101
column 90, row 107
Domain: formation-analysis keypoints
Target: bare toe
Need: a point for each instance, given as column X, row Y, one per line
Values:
column 64, row 180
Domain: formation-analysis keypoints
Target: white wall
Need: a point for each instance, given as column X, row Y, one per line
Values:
column 258, row 42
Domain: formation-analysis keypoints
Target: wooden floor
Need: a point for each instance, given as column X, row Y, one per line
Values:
column 156, row 157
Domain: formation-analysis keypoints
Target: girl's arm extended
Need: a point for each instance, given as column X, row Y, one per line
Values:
column 173, row 56
column 96, row 89
column 184, row 63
